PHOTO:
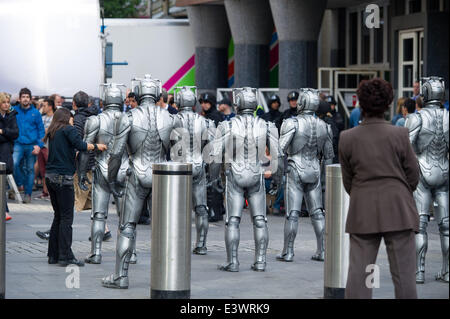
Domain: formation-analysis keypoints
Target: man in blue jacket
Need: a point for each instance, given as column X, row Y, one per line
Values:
column 29, row 142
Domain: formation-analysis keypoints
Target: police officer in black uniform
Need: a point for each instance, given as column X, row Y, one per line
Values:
column 274, row 115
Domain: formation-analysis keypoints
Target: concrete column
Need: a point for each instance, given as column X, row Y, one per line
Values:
column 209, row 26
column 298, row 25
column 251, row 26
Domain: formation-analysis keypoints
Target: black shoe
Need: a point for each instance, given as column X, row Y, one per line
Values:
column 144, row 221
column 52, row 260
column 73, row 261
column 43, row 234
column 107, row 236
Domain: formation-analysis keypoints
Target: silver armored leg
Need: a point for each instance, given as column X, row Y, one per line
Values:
column 100, row 203
column 126, row 238
column 318, row 222
column 125, row 244
column 423, row 199
column 201, row 224
column 232, row 237
column 421, row 249
column 290, row 232
column 261, row 236
column 97, row 232
column 293, row 197
column 441, row 213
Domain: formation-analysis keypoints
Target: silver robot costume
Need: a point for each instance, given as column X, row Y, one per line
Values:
column 145, row 131
column 244, row 140
column 100, row 129
column 190, row 140
column 307, row 140
column 428, row 133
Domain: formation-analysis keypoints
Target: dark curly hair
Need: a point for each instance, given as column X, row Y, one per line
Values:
column 375, row 97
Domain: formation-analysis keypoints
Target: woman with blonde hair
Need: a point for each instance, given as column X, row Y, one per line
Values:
column 8, row 133
column 399, row 114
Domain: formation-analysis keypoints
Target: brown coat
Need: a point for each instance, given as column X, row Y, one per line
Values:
column 380, row 172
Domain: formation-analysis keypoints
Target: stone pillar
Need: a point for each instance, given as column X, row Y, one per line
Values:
column 251, row 26
column 209, row 26
column 298, row 25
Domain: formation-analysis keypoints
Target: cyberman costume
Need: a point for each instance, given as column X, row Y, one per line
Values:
column 244, row 140
column 190, row 140
column 100, row 129
column 306, row 140
column 145, row 131
column 428, row 133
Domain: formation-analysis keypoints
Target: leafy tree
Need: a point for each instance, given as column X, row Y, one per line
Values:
column 122, row 8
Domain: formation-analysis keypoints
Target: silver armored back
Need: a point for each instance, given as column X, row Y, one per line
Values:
column 428, row 133
column 243, row 142
column 193, row 132
column 101, row 129
column 307, row 141
column 145, row 132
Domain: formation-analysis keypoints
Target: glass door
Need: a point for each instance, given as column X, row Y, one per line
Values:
column 410, row 64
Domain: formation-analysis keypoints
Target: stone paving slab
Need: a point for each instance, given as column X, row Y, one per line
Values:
column 28, row 275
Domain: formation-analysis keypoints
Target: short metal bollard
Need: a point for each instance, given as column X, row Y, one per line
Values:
column 2, row 229
column 337, row 242
column 171, row 231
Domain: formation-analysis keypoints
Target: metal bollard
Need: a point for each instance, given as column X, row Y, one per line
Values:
column 2, row 229
column 337, row 242
column 171, row 231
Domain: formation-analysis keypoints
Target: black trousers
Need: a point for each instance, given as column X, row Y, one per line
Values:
column 62, row 198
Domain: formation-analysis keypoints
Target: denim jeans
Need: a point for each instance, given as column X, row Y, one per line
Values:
column 22, row 151
column 62, row 198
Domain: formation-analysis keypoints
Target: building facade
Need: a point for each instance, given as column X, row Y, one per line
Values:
column 399, row 40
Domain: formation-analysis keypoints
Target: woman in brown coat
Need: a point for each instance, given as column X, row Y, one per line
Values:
column 380, row 172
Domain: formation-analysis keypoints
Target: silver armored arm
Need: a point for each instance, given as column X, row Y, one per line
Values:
column 91, row 129
column 413, row 123
column 328, row 151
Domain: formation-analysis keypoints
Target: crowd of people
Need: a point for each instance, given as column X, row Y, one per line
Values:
column 42, row 139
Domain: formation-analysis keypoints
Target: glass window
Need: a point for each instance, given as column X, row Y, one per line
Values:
column 415, row 6
column 399, row 7
column 408, row 51
column 365, row 40
column 407, row 76
column 433, row 5
column 353, row 38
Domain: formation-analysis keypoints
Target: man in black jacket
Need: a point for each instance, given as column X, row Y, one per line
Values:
column 292, row 110
column 273, row 115
column 209, row 109
column 214, row 198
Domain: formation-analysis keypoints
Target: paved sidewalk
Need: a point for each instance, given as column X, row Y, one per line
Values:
column 28, row 275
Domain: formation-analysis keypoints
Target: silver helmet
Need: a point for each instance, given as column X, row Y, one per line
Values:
column 147, row 87
column 186, row 96
column 244, row 99
column 112, row 95
column 308, row 100
column 432, row 89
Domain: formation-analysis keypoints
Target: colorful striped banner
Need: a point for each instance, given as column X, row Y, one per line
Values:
column 184, row 76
